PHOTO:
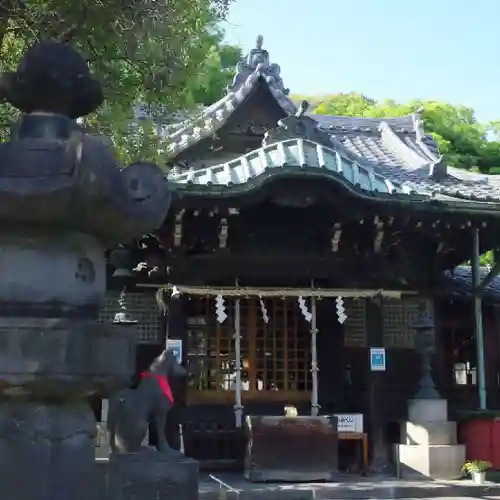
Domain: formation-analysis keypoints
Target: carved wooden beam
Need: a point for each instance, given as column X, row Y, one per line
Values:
column 178, row 228
column 337, row 234
column 223, row 233
column 379, row 237
column 395, row 240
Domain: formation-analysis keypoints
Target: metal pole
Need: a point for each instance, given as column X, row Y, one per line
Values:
column 314, row 360
column 478, row 317
column 238, row 408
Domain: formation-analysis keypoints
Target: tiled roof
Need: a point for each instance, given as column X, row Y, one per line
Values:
column 402, row 152
column 254, row 67
column 458, row 284
column 395, row 149
column 299, row 153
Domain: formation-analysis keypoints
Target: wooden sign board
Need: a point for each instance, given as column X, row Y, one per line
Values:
column 349, row 422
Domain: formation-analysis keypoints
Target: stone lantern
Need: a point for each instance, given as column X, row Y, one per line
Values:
column 63, row 198
column 424, row 344
column 428, row 439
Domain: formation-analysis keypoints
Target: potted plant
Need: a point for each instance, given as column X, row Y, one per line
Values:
column 477, row 470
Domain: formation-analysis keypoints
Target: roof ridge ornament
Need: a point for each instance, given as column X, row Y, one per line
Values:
column 418, row 122
column 298, row 126
column 258, row 59
column 438, row 170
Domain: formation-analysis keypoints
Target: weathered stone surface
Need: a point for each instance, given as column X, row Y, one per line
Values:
column 72, row 179
column 75, row 182
column 71, row 263
column 152, row 475
column 428, row 410
column 63, row 198
column 430, row 461
column 46, row 451
column 429, row 433
column 429, row 450
column 51, row 357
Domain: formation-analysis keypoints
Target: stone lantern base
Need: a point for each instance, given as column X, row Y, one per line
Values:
column 48, row 368
column 429, row 448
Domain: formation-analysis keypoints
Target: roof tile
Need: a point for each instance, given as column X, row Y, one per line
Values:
column 396, row 149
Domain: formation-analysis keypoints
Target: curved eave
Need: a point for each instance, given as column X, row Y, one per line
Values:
column 416, row 202
column 285, row 155
column 295, row 158
column 289, row 172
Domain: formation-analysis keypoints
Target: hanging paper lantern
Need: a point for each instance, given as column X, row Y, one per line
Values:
column 303, row 309
column 220, row 309
column 341, row 315
column 263, row 311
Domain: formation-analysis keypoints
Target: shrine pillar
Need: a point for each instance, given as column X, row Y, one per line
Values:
column 175, row 331
column 376, row 388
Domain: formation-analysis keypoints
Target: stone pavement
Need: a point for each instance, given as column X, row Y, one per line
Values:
column 348, row 487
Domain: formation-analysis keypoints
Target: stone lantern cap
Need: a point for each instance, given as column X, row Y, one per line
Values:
column 53, row 174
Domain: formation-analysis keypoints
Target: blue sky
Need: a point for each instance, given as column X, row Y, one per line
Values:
column 400, row 49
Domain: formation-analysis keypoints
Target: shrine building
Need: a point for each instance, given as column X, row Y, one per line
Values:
column 295, row 243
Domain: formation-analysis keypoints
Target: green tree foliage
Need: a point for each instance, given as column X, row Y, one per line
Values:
column 487, row 259
column 460, row 137
column 210, row 83
column 144, row 51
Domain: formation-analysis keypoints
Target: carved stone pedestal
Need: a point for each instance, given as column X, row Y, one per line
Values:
column 54, row 445
column 47, row 428
column 152, row 475
column 429, row 449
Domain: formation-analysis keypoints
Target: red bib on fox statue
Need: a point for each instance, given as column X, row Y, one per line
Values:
column 163, row 383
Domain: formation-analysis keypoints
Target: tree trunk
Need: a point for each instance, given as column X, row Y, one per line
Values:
column 5, row 6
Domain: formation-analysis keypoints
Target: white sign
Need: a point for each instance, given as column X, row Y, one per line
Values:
column 349, row 422
column 377, row 359
column 101, row 443
column 175, row 345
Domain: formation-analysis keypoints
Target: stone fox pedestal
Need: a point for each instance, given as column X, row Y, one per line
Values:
column 429, row 448
column 152, row 475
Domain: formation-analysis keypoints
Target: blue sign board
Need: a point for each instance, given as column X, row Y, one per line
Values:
column 175, row 345
column 377, row 359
